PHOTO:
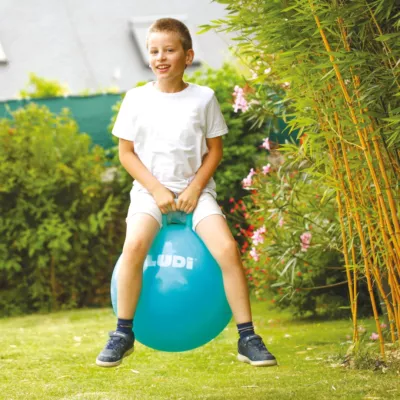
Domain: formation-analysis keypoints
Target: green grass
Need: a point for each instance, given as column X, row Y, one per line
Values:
column 53, row 357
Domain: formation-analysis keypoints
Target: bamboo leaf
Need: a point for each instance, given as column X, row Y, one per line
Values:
column 387, row 36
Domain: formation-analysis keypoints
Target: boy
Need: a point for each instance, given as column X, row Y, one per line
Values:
column 170, row 142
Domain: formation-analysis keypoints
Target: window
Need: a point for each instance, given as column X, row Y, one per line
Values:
column 140, row 25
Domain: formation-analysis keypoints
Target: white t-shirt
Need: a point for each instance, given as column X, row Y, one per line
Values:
column 169, row 131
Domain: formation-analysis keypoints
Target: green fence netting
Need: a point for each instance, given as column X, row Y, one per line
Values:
column 92, row 113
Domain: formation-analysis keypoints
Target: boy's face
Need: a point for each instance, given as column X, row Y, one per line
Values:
column 167, row 58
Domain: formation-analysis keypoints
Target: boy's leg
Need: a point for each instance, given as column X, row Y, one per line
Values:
column 140, row 233
column 216, row 235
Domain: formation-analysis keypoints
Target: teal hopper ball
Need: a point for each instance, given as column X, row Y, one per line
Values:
column 182, row 304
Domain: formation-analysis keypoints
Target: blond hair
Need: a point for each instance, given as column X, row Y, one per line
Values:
column 172, row 25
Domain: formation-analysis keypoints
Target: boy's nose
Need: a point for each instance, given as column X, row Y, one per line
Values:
column 161, row 55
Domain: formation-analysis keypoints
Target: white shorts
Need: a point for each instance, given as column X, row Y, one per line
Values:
column 143, row 202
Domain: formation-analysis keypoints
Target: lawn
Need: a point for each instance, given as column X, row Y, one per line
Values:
column 53, row 357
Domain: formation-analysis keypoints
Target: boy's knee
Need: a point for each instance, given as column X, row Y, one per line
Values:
column 228, row 248
column 135, row 247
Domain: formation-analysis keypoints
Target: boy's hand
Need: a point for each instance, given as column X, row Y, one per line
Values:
column 187, row 200
column 165, row 199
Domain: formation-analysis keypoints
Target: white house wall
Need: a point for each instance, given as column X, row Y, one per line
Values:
column 88, row 44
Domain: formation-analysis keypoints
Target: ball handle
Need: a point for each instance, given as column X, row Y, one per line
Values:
column 178, row 217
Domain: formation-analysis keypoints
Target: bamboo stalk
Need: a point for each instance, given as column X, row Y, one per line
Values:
column 391, row 312
column 365, row 147
column 382, row 167
column 360, row 232
column 352, row 289
column 392, row 316
column 388, row 50
column 367, row 154
column 394, row 287
column 357, row 83
column 375, row 269
column 369, row 225
column 371, row 128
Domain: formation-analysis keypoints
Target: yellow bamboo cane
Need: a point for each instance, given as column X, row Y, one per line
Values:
column 339, row 177
column 394, row 285
column 368, row 156
column 393, row 210
column 388, row 50
column 360, row 234
column 388, row 255
column 375, row 262
column 352, row 289
column 357, row 83
column 371, row 128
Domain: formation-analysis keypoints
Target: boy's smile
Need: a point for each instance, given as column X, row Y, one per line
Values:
column 168, row 59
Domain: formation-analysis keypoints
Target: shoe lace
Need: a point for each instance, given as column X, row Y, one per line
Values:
column 115, row 342
column 259, row 345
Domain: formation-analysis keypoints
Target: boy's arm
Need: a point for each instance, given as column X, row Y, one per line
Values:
column 187, row 200
column 164, row 198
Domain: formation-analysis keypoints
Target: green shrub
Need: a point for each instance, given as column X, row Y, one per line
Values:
column 297, row 260
column 241, row 143
column 59, row 221
column 38, row 87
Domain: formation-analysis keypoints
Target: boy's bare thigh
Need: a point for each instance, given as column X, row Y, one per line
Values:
column 216, row 235
column 141, row 229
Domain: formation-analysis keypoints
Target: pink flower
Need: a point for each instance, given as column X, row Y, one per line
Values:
column 257, row 236
column 304, row 247
column 306, row 237
column 281, row 222
column 266, row 144
column 240, row 101
column 305, row 241
column 253, row 254
column 374, row 336
column 262, row 229
column 266, row 169
column 247, row 182
column 383, row 325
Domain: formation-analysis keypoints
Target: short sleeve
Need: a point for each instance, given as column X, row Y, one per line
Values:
column 215, row 123
column 124, row 123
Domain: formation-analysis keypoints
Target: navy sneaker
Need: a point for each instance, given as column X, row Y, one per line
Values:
column 118, row 346
column 252, row 350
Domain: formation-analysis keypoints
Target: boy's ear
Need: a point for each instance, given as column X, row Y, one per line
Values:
column 189, row 57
